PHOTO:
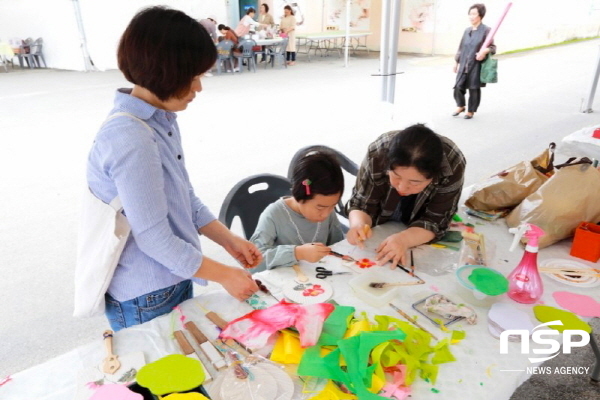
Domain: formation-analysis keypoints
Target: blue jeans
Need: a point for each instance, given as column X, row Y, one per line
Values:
column 123, row 314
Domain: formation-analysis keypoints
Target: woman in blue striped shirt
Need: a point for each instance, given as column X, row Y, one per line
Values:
column 137, row 155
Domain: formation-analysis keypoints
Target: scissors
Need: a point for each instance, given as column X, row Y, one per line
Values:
column 323, row 273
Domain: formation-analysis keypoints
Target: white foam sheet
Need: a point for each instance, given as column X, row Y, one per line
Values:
column 580, row 144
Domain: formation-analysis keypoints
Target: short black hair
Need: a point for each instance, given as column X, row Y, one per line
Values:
column 162, row 50
column 266, row 6
column 249, row 10
column 221, row 27
column 419, row 147
column 324, row 173
column 480, row 9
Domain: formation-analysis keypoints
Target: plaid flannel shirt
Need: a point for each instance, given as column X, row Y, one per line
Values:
column 434, row 206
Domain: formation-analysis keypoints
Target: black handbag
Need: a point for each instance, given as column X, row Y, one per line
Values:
column 489, row 70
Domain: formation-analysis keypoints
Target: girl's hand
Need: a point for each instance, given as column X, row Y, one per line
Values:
column 311, row 252
column 480, row 56
column 237, row 282
column 358, row 234
column 455, row 67
column 243, row 251
column 393, row 249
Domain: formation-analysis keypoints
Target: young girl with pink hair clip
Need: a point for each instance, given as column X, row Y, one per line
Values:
column 302, row 227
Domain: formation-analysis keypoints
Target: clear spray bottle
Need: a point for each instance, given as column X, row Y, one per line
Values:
column 525, row 283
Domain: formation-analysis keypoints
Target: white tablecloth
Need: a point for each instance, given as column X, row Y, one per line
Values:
column 475, row 375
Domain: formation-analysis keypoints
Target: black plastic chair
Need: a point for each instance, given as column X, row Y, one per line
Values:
column 347, row 164
column 248, row 204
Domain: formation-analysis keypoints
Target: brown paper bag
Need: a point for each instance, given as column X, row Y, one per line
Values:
column 569, row 197
column 509, row 187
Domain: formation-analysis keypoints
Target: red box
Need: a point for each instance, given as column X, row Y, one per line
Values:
column 586, row 243
column 596, row 133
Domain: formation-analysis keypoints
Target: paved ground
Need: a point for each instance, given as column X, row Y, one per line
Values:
column 241, row 125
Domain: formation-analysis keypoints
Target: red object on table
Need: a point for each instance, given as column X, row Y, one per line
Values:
column 596, row 133
column 586, row 243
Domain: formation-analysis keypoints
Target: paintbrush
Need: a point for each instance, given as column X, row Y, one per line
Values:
column 411, row 320
column 381, row 285
column 342, row 256
column 265, row 289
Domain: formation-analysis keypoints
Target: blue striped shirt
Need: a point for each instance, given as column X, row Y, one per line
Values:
column 147, row 171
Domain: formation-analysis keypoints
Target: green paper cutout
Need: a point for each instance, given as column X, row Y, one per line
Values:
column 434, row 390
column 335, row 325
column 569, row 320
column 442, row 353
column 173, row 373
column 457, row 336
column 429, row 372
column 488, row 281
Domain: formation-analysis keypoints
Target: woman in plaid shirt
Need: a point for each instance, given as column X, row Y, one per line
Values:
column 413, row 176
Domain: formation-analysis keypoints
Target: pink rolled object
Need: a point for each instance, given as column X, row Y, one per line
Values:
column 255, row 328
column 115, row 392
column 490, row 37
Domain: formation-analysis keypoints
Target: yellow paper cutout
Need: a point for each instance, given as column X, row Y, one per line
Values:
column 457, row 336
column 357, row 327
column 287, row 349
column 376, row 384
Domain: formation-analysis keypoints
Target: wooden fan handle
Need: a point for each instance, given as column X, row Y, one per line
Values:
column 197, row 333
column 184, row 344
column 108, row 335
column 300, row 274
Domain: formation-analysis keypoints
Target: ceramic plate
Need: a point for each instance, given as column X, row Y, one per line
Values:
column 567, row 278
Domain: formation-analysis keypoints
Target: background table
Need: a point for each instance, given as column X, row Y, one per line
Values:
column 327, row 41
column 476, row 374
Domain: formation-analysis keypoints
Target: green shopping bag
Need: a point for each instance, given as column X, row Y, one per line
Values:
column 489, row 70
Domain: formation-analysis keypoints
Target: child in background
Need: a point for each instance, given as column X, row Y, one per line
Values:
column 302, row 227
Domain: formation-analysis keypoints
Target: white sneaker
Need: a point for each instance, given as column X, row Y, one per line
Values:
column 236, row 70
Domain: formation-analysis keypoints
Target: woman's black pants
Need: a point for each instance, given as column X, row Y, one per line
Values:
column 460, row 91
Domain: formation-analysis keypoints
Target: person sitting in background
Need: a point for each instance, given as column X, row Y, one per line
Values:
column 228, row 34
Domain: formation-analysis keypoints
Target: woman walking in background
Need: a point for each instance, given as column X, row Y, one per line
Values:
column 288, row 27
column 468, row 62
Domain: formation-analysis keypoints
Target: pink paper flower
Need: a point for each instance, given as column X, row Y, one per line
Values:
column 315, row 290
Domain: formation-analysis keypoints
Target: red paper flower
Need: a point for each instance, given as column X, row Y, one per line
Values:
column 315, row 290
column 365, row 263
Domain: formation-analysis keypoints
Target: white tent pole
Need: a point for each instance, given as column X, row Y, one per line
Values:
column 87, row 60
column 348, row 4
column 323, row 16
column 383, row 52
column 393, row 51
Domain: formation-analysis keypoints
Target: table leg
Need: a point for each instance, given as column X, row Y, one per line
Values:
column 595, row 377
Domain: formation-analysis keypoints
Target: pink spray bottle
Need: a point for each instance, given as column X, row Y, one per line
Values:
column 525, row 283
